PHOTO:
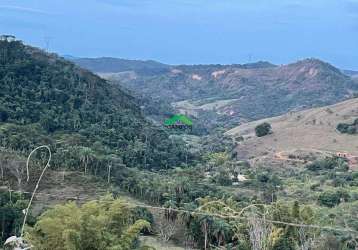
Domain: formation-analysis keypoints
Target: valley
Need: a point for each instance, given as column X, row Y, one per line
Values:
column 227, row 95
column 120, row 179
column 178, row 125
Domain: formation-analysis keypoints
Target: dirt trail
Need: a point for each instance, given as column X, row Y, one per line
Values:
column 352, row 159
column 280, row 156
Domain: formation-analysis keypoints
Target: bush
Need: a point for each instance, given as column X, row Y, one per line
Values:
column 223, row 179
column 263, row 177
column 315, row 186
column 263, row 129
column 328, row 163
column 4, row 115
column 103, row 224
column 332, row 198
column 355, row 175
column 345, row 128
column 140, row 213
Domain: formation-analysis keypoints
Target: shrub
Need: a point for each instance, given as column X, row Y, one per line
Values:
column 239, row 139
column 315, row 186
column 355, row 175
column 223, row 179
column 345, row 128
column 332, row 198
column 3, row 115
column 103, row 224
column 264, row 178
column 140, row 213
column 328, row 163
column 263, row 129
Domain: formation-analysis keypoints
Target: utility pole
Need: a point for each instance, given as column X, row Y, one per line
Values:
column 109, row 173
column 250, row 57
column 145, row 150
column 47, row 41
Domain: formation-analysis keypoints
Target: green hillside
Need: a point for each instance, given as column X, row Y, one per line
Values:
column 45, row 99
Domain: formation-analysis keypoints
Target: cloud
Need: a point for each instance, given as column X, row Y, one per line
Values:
column 24, row 9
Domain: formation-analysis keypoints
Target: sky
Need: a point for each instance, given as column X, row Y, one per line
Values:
column 190, row 31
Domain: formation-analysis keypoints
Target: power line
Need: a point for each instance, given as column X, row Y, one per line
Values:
column 239, row 216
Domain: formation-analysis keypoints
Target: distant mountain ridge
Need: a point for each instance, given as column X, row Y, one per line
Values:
column 231, row 94
column 115, row 65
column 350, row 72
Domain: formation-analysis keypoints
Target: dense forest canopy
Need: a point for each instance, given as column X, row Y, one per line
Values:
column 46, row 99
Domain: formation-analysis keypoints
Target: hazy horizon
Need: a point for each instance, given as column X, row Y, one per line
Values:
column 190, row 32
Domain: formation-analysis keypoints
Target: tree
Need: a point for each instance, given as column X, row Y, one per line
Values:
column 166, row 228
column 17, row 169
column 223, row 178
column 205, row 223
column 104, row 224
column 331, row 198
column 259, row 233
column 4, row 115
column 221, row 231
column 86, row 157
column 11, row 216
column 263, row 129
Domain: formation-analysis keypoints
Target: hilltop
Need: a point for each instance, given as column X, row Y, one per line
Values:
column 312, row 131
column 225, row 95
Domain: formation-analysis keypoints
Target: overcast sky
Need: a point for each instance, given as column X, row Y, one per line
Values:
column 190, row 31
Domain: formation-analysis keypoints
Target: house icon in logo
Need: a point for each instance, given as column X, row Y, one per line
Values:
column 178, row 121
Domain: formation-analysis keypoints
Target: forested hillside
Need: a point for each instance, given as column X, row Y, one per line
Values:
column 45, row 99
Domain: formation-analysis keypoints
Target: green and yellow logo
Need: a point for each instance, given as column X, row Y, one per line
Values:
column 178, row 121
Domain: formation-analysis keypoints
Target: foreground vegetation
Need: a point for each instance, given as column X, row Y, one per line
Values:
column 322, row 194
column 104, row 224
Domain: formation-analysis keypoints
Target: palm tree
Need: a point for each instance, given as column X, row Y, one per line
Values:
column 86, row 157
column 205, row 223
column 221, row 231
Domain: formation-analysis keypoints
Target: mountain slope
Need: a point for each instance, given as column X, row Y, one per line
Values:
column 229, row 94
column 46, row 99
column 312, row 130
